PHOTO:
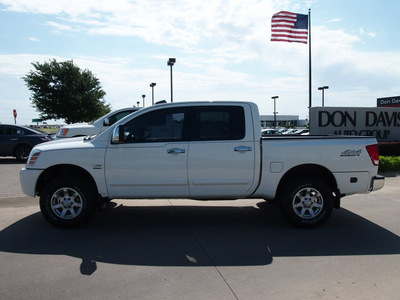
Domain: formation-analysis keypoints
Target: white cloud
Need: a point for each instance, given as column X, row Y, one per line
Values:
column 19, row 64
column 334, row 20
column 371, row 34
column 59, row 27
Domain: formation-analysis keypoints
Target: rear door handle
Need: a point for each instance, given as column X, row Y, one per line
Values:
column 242, row 148
column 175, row 151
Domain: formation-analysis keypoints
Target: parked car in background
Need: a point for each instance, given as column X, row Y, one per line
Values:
column 268, row 131
column 289, row 131
column 296, row 131
column 18, row 141
column 282, row 130
column 95, row 127
column 301, row 131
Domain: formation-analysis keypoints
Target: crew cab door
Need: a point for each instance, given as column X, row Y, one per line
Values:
column 221, row 162
column 151, row 160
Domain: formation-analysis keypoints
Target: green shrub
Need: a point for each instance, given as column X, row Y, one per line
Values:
column 389, row 163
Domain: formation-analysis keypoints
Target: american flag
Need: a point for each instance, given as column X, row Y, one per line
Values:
column 289, row 27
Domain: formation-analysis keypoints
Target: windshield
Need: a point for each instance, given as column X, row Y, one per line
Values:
column 115, row 116
column 92, row 122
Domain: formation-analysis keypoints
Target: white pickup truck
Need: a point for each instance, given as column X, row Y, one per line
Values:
column 203, row 151
column 102, row 123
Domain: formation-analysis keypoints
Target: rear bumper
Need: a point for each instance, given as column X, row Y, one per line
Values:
column 377, row 183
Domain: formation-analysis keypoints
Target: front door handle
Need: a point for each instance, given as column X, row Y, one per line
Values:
column 243, row 148
column 175, row 151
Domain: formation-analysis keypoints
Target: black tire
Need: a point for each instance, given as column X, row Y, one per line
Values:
column 22, row 152
column 67, row 202
column 307, row 202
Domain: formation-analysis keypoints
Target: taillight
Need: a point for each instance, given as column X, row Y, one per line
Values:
column 373, row 152
column 33, row 159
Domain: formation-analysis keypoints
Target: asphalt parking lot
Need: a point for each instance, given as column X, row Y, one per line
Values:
column 183, row 249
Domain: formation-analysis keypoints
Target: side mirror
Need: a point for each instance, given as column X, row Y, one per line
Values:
column 118, row 136
column 106, row 122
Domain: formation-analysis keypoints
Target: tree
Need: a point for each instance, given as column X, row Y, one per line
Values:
column 61, row 90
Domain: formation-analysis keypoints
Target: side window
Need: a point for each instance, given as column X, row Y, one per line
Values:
column 218, row 123
column 4, row 130
column 165, row 125
column 15, row 131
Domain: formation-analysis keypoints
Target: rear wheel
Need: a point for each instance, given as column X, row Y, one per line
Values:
column 307, row 202
column 67, row 202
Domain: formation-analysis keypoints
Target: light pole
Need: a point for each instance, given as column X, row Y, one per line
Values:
column 323, row 88
column 138, row 103
column 152, row 85
column 274, row 98
column 143, row 96
column 170, row 63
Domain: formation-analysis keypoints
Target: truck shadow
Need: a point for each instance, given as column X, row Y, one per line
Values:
column 196, row 236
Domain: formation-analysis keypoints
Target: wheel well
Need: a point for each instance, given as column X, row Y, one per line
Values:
column 311, row 170
column 62, row 170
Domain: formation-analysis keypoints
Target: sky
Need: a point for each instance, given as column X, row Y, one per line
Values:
column 222, row 49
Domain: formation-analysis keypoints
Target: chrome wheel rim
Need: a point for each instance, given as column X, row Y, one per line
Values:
column 66, row 203
column 308, row 203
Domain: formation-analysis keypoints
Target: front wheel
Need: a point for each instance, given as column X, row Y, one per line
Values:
column 67, row 202
column 307, row 202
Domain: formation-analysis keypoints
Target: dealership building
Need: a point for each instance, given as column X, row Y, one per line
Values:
column 267, row 121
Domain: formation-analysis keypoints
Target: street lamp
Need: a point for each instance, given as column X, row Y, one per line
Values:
column 143, row 96
column 274, row 98
column 152, row 85
column 170, row 63
column 323, row 88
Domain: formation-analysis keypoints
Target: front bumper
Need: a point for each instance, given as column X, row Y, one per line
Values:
column 28, row 179
column 377, row 183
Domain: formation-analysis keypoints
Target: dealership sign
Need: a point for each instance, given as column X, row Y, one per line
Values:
column 388, row 102
column 382, row 123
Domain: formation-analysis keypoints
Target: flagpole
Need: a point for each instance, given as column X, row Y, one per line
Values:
column 309, row 58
